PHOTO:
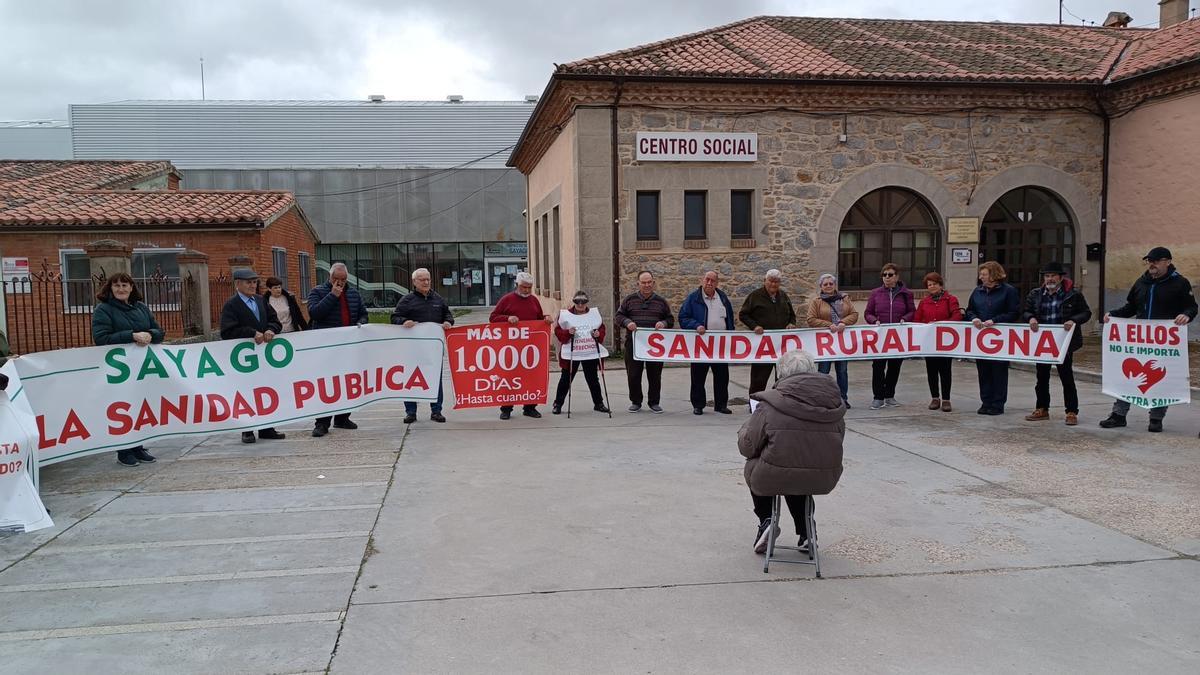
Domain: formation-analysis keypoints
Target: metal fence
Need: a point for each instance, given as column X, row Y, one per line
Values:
column 45, row 312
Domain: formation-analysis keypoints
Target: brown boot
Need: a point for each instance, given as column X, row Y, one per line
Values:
column 1038, row 415
column 946, row 405
column 1072, row 419
column 935, row 404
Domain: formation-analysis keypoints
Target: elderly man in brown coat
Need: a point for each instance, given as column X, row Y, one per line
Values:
column 793, row 442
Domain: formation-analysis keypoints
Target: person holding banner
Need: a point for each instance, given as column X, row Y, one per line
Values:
column 423, row 305
column 833, row 310
column 938, row 305
column 520, row 305
column 707, row 308
column 248, row 315
column 1160, row 293
column 285, row 305
column 993, row 301
column 574, row 353
column 122, row 318
column 890, row 303
column 793, row 443
column 335, row 304
column 643, row 309
column 1056, row 302
column 767, row 308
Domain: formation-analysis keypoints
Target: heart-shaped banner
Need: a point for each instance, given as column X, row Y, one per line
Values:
column 1133, row 369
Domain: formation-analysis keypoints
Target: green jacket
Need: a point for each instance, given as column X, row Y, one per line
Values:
column 758, row 310
column 114, row 322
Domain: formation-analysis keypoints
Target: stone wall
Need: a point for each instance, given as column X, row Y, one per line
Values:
column 813, row 177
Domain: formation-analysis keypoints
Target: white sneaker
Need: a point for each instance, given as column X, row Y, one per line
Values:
column 802, row 546
column 760, row 546
column 891, row 402
column 876, row 403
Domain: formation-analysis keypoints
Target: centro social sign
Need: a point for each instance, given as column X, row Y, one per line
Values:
column 686, row 146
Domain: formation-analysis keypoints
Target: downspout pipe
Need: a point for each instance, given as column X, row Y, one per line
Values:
column 1104, row 205
column 616, row 220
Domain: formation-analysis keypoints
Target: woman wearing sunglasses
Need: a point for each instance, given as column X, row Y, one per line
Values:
column 890, row 303
column 590, row 361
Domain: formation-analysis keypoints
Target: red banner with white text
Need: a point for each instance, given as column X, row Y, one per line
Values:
column 1001, row 342
column 500, row 364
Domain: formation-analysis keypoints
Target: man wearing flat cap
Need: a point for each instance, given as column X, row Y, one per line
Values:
column 248, row 315
column 1161, row 293
column 1057, row 303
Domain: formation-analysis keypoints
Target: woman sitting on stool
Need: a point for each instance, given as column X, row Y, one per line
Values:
column 793, row 442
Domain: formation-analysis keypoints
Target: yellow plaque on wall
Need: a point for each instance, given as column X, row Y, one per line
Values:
column 962, row 230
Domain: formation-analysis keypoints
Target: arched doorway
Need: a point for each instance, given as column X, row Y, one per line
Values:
column 887, row 225
column 1025, row 229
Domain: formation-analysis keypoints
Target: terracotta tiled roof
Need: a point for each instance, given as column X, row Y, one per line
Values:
column 46, row 177
column 871, row 49
column 1160, row 49
column 151, row 207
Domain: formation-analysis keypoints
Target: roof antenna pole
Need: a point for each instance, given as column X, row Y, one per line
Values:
column 202, row 74
column 1060, row 4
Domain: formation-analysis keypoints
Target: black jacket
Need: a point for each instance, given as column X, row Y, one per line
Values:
column 325, row 308
column 237, row 321
column 1164, row 298
column 298, row 319
column 114, row 322
column 422, row 309
column 1074, row 308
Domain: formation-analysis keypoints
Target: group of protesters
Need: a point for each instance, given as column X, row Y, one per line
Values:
column 263, row 311
column 1160, row 293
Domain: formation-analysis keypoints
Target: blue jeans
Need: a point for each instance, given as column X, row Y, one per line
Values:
column 840, row 369
column 410, row 407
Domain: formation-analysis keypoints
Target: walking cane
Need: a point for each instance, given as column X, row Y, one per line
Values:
column 604, row 382
column 570, row 375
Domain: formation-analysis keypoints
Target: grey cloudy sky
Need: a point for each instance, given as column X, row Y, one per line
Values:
column 56, row 52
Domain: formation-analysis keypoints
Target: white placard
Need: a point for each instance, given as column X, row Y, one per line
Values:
column 1145, row 362
column 21, row 508
column 1002, row 342
column 690, row 146
column 584, row 347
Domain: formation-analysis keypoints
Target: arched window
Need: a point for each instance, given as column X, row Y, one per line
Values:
column 887, row 225
column 1025, row 229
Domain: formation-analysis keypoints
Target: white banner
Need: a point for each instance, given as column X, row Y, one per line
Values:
column 1002, row 342
column 98, row 399
column 21, row 508
column 692, row 146
column 1146, row 362
column 584, row 347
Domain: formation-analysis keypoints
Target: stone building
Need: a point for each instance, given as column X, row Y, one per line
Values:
column 834, row 145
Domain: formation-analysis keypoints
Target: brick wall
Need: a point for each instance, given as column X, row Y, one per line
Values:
column 60, row 330
column 288, row 232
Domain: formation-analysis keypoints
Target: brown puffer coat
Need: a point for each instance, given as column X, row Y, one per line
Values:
column 793, row 441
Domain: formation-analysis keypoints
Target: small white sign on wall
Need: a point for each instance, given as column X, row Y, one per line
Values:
column 690, row 146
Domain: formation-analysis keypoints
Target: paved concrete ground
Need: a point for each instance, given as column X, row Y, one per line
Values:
column 955, row 542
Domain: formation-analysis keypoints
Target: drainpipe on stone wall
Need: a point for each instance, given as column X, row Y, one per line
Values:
column 1104, row 208
column 616, row 221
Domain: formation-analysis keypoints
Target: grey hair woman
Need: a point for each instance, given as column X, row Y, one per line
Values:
column 793, row 442
column 833, row 310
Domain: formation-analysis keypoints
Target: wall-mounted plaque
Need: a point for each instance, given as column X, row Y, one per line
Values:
column 962, row 230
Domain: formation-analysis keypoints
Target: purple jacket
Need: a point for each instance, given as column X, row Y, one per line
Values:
column 892, row 306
